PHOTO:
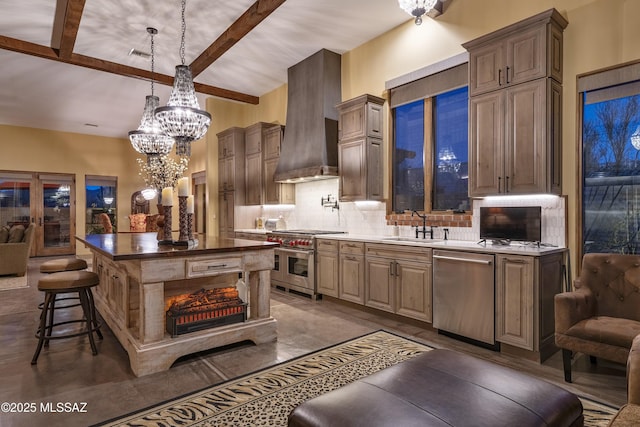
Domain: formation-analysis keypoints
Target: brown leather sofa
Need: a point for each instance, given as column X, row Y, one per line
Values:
column 629, row 414
column 602, row 316
column 442, row 388
column 14, row 254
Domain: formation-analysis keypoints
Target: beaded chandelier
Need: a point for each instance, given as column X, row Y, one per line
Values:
column 182, row 118
column 148, row 138
column 417, row 8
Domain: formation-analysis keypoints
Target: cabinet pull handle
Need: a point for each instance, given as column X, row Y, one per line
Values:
column 499, row 184
column 391, row 268
column 499, row 76
column 515, row 260
column 470, row 260
column 350, row 258
column 507, row 75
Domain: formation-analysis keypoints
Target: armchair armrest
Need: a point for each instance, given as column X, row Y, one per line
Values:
column 573, row 307
column 633, row 372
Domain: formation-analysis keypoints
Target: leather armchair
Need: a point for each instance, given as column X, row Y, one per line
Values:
column 629, row 414
column 601, row 317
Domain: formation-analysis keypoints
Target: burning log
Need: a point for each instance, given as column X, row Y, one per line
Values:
column 204, row 309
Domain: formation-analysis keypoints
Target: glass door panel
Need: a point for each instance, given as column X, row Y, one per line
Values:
column 57, row 218
column 15, row 199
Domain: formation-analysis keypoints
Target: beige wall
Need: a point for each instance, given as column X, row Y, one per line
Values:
column 601, row 33
column 37, row 150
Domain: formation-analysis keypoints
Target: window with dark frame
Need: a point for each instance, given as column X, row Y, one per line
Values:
column 430, row 143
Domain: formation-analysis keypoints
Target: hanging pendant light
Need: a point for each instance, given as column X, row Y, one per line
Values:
column 417, row 8
column 182, row 118
column 149, row 138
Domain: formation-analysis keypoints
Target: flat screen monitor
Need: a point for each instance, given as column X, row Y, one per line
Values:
column 522, row 223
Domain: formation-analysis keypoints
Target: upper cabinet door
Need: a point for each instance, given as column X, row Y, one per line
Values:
column 485, row 68
column 526, row 52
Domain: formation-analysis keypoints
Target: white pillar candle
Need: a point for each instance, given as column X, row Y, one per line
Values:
column 183, row 186
column 167, row 196
column 190, row 204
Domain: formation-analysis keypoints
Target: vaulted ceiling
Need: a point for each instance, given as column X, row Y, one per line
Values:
column 66, row 64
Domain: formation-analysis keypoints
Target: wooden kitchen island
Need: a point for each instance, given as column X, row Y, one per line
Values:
column 138, row 278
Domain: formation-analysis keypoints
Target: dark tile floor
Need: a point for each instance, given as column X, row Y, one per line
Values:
column 67, row 372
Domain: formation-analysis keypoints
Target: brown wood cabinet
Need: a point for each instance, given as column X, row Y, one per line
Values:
column 262, row 155
column 275, row 193
column 525, row 51
column 351, row 272
column 525, row 289
column 360, row 152
column 515, row 110
column 254, row 136
column 231, row 159
column 399, row 280
column 514, row 142
column 231, row 184
column 327, row 267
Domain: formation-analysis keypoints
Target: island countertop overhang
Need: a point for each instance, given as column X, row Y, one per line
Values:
column 129, row 246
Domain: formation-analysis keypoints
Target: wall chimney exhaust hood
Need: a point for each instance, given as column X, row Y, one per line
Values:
column 310, row 146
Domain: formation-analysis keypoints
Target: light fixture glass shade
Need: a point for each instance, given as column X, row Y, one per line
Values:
column 635, row 138
column 149, row 193
column 182, row 118
column 417, row 8
column 148, row 138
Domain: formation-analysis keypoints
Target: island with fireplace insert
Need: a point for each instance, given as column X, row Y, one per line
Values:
column 163, row 302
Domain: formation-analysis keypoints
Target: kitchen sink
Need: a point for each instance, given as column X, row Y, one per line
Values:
column 410, row 239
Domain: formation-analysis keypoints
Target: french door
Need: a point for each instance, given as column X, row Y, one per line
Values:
column 48, row 201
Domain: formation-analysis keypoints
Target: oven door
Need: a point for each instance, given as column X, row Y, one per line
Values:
column 278, row 262
column 297, row 269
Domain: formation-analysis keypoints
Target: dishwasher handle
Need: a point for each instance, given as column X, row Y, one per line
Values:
column 475, row 261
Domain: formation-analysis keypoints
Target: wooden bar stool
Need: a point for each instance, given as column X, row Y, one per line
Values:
column 59, row 265
column 65, row 282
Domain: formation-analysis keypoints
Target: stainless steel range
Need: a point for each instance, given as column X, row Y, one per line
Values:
column 295, row 259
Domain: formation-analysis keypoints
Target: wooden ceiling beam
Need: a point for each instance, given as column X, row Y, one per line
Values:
column 232, row 35
column 70, row 27
column 45, row 52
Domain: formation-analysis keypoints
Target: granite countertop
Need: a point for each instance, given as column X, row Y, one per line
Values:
column 471, row 246
column 122, row 246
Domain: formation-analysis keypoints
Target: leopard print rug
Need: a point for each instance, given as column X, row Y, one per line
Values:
column 266, row 398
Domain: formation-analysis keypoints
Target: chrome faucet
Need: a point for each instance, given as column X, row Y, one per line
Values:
column 424, row 226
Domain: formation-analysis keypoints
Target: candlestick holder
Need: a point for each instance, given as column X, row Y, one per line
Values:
column 167, row 240
column 182, row 212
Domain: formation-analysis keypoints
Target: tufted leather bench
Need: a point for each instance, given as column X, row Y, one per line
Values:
column 442, row 388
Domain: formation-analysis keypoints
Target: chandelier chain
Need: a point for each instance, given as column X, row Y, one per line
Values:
column 184, row 30
column 153, row 62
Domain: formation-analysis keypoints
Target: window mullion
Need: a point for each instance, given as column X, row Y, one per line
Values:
column 428, row 162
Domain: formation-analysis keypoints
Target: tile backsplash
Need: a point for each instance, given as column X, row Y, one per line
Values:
column 369, row 218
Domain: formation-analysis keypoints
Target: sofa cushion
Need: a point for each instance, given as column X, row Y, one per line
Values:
column 4, row 234
column 16, row 234
column 609, row 330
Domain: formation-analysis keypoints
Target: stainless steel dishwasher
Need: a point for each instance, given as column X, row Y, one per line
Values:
column 463, row 294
